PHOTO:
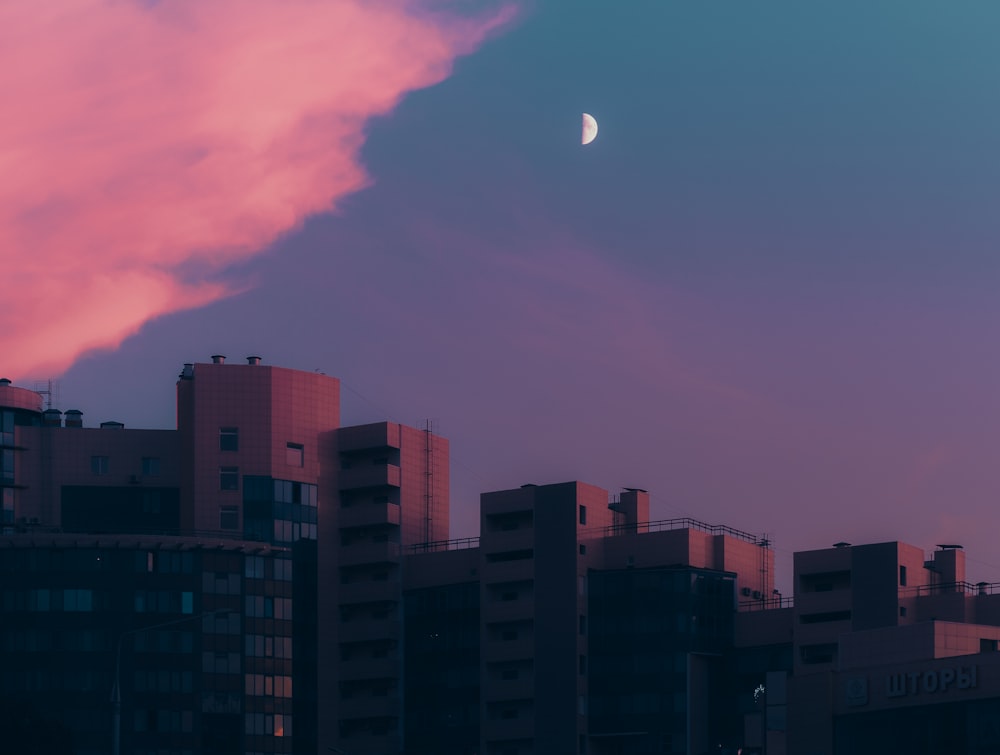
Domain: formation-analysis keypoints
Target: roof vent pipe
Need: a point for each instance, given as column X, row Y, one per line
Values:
column 74, row 418
column 218, row 359
column 52, row 418
column 253, row 360
column 4, row 381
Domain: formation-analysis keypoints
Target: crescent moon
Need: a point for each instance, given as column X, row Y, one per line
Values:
column 589, row 129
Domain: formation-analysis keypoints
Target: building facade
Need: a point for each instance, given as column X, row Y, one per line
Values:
column 574, row 624
column 238, row 493
column 263, row 580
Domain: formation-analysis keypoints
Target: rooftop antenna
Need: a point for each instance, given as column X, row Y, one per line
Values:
column 429, row 431
column 46, row 388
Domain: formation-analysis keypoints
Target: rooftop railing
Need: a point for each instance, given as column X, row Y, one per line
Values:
column 946, row 588
column 685, row 523
column 765, row 605
column 436, row 546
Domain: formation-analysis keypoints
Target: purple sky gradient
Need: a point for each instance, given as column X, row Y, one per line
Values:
column 767, row 292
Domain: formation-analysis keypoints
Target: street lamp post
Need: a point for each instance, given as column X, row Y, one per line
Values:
column 116, row 694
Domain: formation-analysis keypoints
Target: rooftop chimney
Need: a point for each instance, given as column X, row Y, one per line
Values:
column 4, row 381
column 218, row 359
column 253, row 360
column 52, row 418
column 74, row 418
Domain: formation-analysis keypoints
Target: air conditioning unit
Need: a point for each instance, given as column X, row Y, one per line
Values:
column 756, row 595
column 745, row 592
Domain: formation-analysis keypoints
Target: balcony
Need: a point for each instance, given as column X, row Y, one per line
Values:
column 365, row 437
column 496, row 690
column 360, row 630
column 369, row 552
column 509, row 650
column 508, row 571
column 497, row 541
column 369, row 476
column 370, row 668
column 522, row 727
column 504, row 611
column 369, row 592
column 365, row 514
column 363, row 742
column 816, row 602
column 369, row 706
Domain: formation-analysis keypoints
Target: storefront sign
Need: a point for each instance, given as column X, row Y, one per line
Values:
column 930, row 682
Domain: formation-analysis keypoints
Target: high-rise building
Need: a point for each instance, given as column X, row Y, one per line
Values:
column 212, row 530
column 261, row 580
column 589, row 628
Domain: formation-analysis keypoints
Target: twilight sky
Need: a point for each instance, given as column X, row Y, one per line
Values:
column 767, row 292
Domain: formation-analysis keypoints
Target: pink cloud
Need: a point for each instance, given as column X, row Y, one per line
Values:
column 139, row 139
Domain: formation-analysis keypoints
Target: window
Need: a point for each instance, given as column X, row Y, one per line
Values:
column 821, row 618
column 7, row 495
column 822, row 653
column 151, row 466
column 7, row 428
column 151, row 502
column 229, row 439
column 902, row 611
column 7, row 465
column 229, row 478
column 99, row 464
column 987, row 645
column 583, row 550
column 902, row 576
column 229, row 518
column 583, row 515
column 294, row 454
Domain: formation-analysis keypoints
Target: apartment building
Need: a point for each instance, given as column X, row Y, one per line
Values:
column 258, row 468
column 589, row 628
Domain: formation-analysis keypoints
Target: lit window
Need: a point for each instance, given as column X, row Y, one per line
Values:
column 99, row 464
column 294, row 454
column 229, row 478
column 229, row 439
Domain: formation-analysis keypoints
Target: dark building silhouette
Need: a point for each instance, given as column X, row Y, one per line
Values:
column 594, row 630
column 262, row 580
column 212, row 529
